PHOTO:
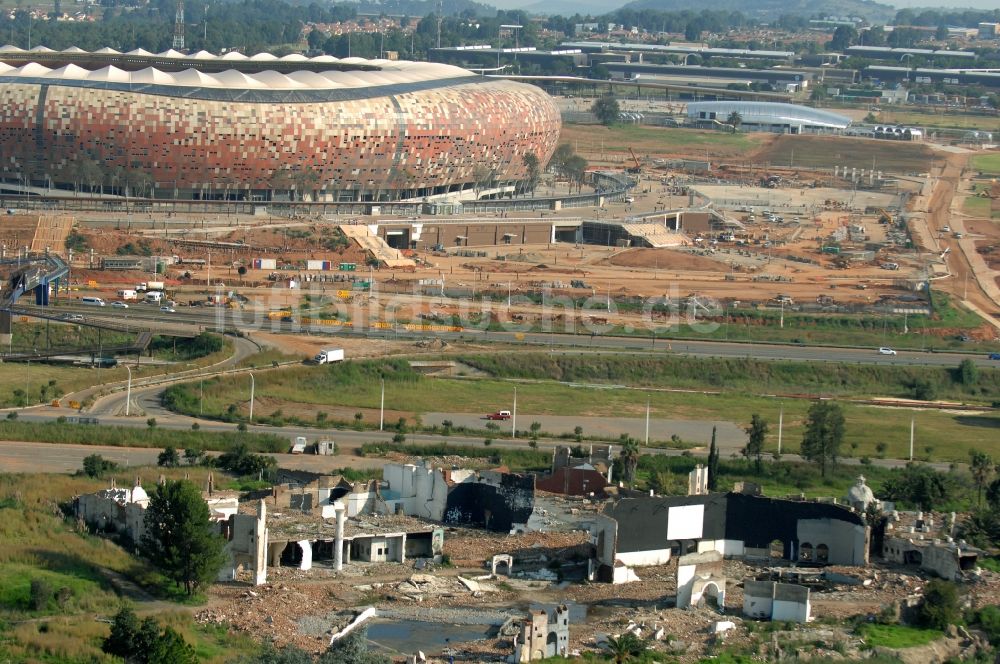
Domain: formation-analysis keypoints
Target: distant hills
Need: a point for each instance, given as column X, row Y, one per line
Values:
column 771, row 9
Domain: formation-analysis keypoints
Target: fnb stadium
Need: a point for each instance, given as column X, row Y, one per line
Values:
column 236, row 127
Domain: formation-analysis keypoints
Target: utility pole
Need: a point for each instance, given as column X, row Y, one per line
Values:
column 647, row 422
column 513, row 417
column 381, row 409
column 781, row 422
column 912, row 425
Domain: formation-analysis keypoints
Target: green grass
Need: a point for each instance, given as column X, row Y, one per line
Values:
column 356, row 385
column 86, row 434
column 39, row 543
column 976, row 207
column 948, row 120
column 648, row 140
column 897, row 636
column 992, row 563
column 988, row 164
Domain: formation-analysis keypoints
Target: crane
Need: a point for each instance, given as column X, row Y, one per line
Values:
column 638, row 166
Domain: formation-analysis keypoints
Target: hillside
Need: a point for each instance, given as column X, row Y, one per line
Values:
column 770, row 9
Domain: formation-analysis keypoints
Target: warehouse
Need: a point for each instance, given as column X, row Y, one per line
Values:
column 767, row 116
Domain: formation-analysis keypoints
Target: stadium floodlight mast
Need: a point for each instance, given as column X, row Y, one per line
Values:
column 513, row 27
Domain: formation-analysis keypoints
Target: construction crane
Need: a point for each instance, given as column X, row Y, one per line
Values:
column 885, row 217
column 638, row 166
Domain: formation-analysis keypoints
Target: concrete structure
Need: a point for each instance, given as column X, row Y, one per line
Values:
column 579, row 476
column 636, row 532
column 701, row 580
column 698, row 481
column 860, row 496
column 945, row 558
column 769, row 600
column 222, row 127
column 767, row 116
column 545, row 633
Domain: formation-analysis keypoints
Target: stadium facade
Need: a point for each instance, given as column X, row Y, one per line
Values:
column 767, row 116
column 264, row 128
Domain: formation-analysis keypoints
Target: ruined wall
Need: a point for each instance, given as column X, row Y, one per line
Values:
column 495, row 506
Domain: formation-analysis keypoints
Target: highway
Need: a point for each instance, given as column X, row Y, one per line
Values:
column 246, row 322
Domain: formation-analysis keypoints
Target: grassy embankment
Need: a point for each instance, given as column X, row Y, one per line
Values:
column 330, row 395
column 81, row 571
column 36, row 382
column 988, row 164
column 940, row 331
column 592, row 140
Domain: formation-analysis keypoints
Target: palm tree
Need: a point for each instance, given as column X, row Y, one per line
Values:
column 630, row 457
column 625, row 647
column 981, row 467
column 734, row 120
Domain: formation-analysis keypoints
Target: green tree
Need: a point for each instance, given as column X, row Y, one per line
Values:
column 606, row 109
column 981, row 466
column 917, row 485
column 352, row 649
column 734, row 120
column 129, row 639
column 625, row 647
column 169, row 458
column 824, row 434
column 629, row 457
column 94, row 465
column 713, row 463
column 843, row 36
column 756, row 434
column 532, row 171
column 968, row 372
column 941, row 605
column 269, row 654
column 179, row 538
column 578, row 433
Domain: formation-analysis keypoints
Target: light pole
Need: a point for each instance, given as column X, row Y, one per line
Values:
column 252, row 385
column 128, row 390
column 381, row 409
column 513, row 418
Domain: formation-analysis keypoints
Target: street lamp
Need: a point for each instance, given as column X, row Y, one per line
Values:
column 128, row 390
column 252, row 385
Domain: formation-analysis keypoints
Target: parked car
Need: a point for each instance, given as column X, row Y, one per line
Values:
column 995, row 356
column 886, row 351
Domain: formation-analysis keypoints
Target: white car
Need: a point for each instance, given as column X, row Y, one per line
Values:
column 886, row 351
column 119, row 305
column 169, row 310
column 946, row 229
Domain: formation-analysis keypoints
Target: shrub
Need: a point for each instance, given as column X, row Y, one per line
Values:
column 41, row 593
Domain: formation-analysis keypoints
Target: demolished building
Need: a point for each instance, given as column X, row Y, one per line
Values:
column 544, row 634
column 770, row 600
column 635, row 532
column 588, row 475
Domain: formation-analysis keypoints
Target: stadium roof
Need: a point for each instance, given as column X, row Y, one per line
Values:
column 361, row 73
column 763, row 112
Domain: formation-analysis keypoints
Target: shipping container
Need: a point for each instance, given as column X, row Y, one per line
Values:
column 314, row 265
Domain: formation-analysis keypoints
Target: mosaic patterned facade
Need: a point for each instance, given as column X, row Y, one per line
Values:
column 450, row 135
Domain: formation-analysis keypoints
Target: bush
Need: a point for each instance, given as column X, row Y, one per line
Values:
column 940, row 606
column 41, row 593
column 97, row 466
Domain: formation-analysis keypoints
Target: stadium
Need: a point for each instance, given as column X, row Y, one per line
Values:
column 238, row 127
column 767, row 116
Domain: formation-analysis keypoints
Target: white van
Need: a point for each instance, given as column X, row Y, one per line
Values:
column 154, row 297
column 92, row 301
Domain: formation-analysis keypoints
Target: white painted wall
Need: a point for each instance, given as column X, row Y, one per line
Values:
column 641, row 558
column 757, row 606
column 790, row 611
column 685, row 522
column 685, row 581
column 422, row 491
column 846, row 541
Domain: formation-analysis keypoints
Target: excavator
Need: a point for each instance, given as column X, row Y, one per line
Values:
column 634, row 170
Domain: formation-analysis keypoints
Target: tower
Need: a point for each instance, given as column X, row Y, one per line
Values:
column 178, row 44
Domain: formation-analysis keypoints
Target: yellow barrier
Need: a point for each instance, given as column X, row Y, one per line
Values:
column 344, row 294
column 75, row 405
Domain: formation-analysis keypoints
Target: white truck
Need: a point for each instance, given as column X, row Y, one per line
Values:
column 328, row 355
column 154, row 297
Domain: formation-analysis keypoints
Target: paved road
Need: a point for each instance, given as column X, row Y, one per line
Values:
column 235, row 320
column 729, row 437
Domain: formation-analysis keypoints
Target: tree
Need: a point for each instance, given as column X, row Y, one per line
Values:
column 713, row 463
column 843, row 36
column 151, row 423
column 940, row 606
column 824, row 434
column 625, row 647
column 124, row 640
column 917, row 485
column 756, row 433
column 193, row 455
column 535, row 427
column 606, row 109
column 629, row 457
column 179, row 538
column 268, row 654
column 981, row 466
column 968, row 372
column 143, row 643
column 734, row 120
column 96, row 466
column 352, row 649
column 169, row 458
column 532, row 171
column 578, row 433
column 941, row 33
column 171, row 648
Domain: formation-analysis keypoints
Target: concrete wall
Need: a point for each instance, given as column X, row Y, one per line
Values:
column 847, row 543
column 758, row 599
column 475, row 235
column 422, row 491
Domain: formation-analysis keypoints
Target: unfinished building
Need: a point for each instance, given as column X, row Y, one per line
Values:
column 588, row 475
column 545, row 633
column 769, row 600
column 636, row 532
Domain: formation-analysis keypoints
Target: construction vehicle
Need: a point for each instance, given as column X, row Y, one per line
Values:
column 885, row 217
column 634, row 170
